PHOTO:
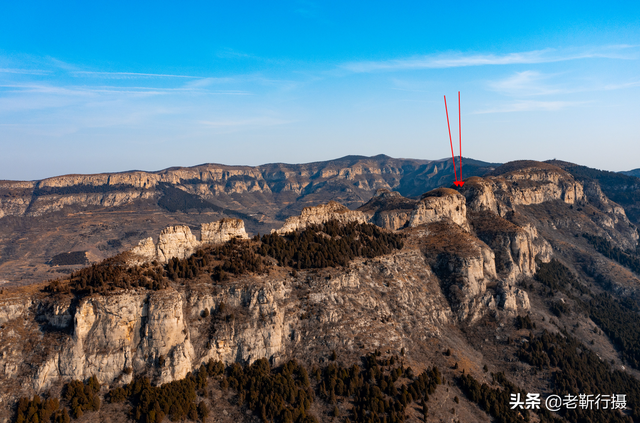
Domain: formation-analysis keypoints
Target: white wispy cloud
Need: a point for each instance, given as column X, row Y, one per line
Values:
column 257, row 121
column 630, row 84
column 207, row 82
column 527, row 83
column 532, row 106
column 458, row 59
column 25, row 71
column 128, row 74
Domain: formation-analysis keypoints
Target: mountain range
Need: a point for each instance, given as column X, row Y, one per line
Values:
column 360, row 290
column 96, row 216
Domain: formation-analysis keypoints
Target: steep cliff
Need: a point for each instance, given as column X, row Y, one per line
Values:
column 222, row 231
column 321, row 214
column 438, row 204
column 389, row 209
column 179, row 242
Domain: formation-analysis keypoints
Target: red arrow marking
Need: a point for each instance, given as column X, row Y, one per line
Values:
column 460, row 132
column 450, row 141
column 460, row 182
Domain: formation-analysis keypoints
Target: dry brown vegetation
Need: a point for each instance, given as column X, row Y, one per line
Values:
column 491, row 223
column 447, row 237
column 525, row 164
column 439, row 192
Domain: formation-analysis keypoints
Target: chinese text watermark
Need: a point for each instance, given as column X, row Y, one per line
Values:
column 570, row 402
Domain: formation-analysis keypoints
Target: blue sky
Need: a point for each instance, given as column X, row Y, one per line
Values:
column 89, row 87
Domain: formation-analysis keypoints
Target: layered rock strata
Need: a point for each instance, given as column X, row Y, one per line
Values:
column 179, row 242
column 321, row 214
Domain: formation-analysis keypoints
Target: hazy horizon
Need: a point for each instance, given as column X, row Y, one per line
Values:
column 102, row 88
column 444, row 159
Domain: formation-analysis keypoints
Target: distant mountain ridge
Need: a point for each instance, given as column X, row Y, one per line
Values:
column 97, row 213
column 634, row 172
column 620, row 187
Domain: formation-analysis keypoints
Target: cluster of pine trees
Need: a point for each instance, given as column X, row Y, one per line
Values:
column 176, row 399
column 524, row 322
column 373, row 390
column 79, row 396
column 380, row 391
column 604, row 247
column 555, row 275
column 620, row 321
column 577, row 370
column 318, row 246
column 234, row 257
column 495, row 401
column 282, row 395
column 83, row 397
column 37, row 410
column 111, row 274
column 330, row 244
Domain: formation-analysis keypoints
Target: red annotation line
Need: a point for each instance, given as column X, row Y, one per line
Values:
column 460, row 132
column 457, row 182
column 450, row 140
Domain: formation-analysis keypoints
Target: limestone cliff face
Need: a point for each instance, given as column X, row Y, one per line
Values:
column 512, row 299
column 479, row 195
column 179, row 242
column 175, row 241
column 51, row 203
column 222, row 231
column 522, row 186
column 214, row 181
column 535, row 185
column 464, row 265
column 439, row 204
column 612, row 218
column 322, row 214
column 128, row 330
column 152, row 332
column 392, row 220
column 165, row 334
column 389, row 210
column 514, row 247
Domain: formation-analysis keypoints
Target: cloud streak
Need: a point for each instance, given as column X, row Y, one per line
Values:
column 129, row 74
column 258, row 121
column 527, row 83
column 456, row 60
column 532, row 106
column 24, row 71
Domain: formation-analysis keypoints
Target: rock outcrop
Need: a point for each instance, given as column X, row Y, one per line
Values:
column 222, row 231
column 179, row 242
column 175, row 241
column 464, row 265
column 514, row 248
column 389, row 209
column 321, row 214
column 166, row 334
column 439, row 204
